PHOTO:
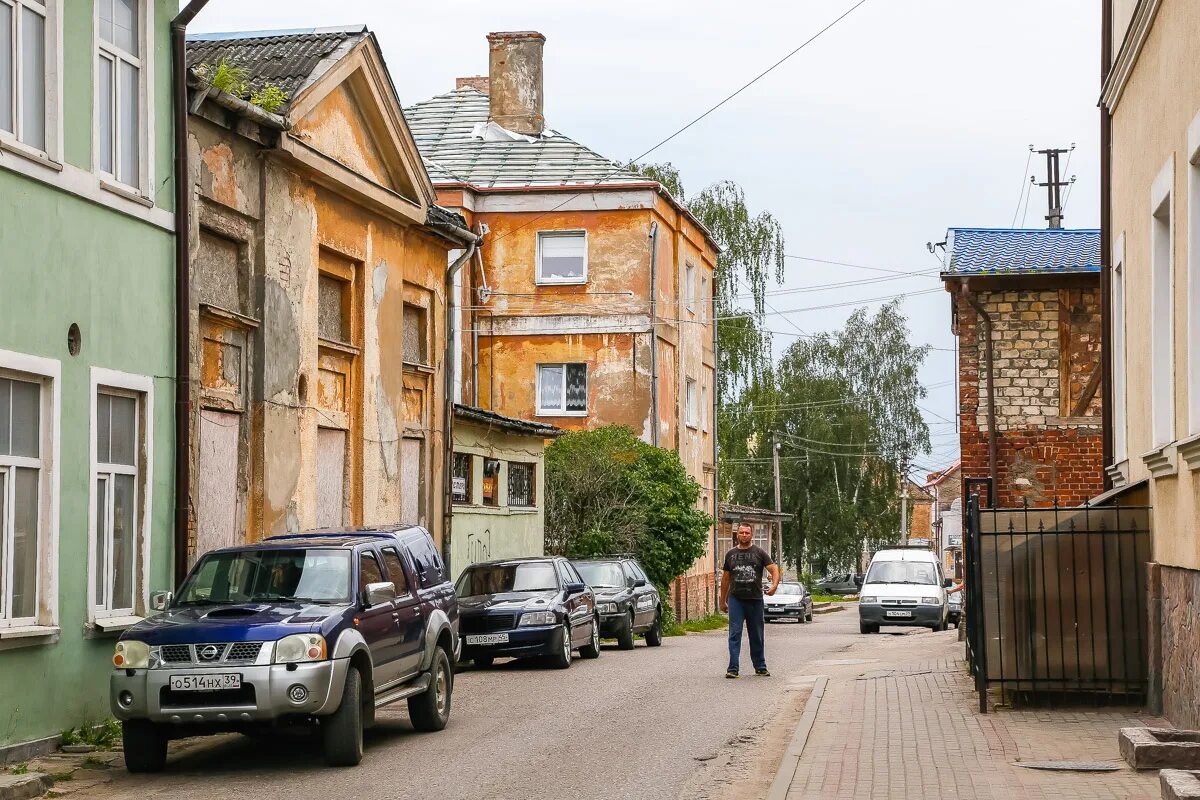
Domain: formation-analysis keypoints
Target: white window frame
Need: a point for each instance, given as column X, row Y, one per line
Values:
column 141, row 387
column 1162, row 306
column 689, row 286
column 542, row 411
column 704, row 407
column 691, row 402
column 704, row 302
column 47, row 372
column 145, row 64
column 51, row 11
column 1193, row 277
column 571, row 232
column 1119, row 367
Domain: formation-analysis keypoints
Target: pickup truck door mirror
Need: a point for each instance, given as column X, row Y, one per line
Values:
column 376, row 593
column 575, row 588
column 159, row 601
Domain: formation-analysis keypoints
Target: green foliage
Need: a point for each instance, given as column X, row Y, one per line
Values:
column 226, row 77
column 608, row 492
column 844, row 407
column 269, row 98
column 102, row 735
column 19, row 769
column 666, row 174
column 712, row 622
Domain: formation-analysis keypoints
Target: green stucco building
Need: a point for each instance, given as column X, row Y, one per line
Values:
column 86, row 349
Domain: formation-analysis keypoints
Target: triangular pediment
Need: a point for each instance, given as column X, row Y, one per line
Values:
column 352, row 116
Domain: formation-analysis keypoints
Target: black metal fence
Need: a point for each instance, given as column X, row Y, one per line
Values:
column 1056, row 601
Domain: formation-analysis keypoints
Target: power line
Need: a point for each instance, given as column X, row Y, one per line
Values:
column 884, row 298
column 725, row 100
column 1024, row 187
column 857, row 266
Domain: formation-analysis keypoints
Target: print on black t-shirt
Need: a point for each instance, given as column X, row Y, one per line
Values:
column 746, row 568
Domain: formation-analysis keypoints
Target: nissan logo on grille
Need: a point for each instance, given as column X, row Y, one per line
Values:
column 209, row 652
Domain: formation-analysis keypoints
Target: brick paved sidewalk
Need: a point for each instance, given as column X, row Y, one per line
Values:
column 900, row 719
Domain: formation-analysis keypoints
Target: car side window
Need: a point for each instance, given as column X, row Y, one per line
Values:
column 638, row 572
column 630, row 572
column 427, row 561
column 368, row 570
column 395, row 569
column 575, row 576
column 564, row 572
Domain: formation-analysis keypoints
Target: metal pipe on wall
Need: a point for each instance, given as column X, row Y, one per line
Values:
column 986, row 321
column 183, row 292
column 654, row 332
column 1106, row 320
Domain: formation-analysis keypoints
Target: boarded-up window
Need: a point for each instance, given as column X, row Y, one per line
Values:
column 331, row 477
column 520, row 485
column 219, row 274
column 460, row 478
column 562, row 257
column 333, row 309
column 412, row 481
column 491, row 482
column 216, row 516
column 416, row 339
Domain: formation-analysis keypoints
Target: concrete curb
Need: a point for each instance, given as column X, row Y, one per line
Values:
column 791, row 757
column 829, row 608
column 24, row 787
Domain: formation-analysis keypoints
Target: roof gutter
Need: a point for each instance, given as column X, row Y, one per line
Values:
column 236, row 104
column 183, row 294
column 989, row 352
column 471, row 241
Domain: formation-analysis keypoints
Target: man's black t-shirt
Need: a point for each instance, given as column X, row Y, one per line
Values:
column 746, row 567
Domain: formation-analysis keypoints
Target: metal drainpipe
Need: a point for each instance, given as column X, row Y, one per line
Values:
column 1106, row 320
column 654, row 332
column 183, row 293
column 991, row 395
column 716, row 419
column 448, row 407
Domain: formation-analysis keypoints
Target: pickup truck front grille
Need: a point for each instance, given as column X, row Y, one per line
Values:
column 207, row 654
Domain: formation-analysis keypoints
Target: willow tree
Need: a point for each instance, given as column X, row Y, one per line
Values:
column 751, row 259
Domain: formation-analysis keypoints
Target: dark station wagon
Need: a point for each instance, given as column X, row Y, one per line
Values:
column 317, row 629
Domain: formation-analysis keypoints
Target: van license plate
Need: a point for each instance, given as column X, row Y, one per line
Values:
column 205, row 683
column 901, row 614
column 488, row 638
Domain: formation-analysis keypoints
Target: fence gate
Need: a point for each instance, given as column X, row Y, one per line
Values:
column 1056, row 601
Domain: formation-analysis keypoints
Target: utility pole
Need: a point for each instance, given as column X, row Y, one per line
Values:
column 778, row 554
column 1053, row 185
column 904, row 503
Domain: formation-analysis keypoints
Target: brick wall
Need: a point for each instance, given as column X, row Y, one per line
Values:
column 1047, row 346
column 693, row 596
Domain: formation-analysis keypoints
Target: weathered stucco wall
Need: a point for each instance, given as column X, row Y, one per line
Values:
column 483, row 533
column 1150, row 127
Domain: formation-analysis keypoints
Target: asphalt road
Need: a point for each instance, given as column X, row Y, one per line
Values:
column 627, row 725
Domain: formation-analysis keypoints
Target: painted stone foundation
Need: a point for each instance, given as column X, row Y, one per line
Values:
column 1178, row 629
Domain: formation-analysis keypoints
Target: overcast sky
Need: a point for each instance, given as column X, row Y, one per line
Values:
column 908, row 117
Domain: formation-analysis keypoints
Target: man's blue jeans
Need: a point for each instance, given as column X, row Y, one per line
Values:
column 749, row 612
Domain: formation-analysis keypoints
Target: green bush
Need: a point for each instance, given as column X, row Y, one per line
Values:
column 102, row 735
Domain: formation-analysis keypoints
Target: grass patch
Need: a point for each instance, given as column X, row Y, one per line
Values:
column 712, row 622
column 59, row 777
column 834, row 598
column 104, row 735
column 19, row 769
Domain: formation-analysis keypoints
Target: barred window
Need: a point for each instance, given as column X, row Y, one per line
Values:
column 461, row 478
column 491, row 481
column 520, row 485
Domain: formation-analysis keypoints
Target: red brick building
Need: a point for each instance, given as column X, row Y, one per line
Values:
column 1026, row 310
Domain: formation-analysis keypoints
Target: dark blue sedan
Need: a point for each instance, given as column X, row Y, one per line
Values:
column 527, row 607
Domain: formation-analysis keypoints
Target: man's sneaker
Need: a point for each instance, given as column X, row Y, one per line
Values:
column 763, row 673
column 731, row 674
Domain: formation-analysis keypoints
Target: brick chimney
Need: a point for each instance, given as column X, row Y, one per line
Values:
column 477, row 82
column 515, row 78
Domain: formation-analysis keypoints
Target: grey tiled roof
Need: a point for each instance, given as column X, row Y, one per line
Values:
column 290, row 59
column 1022, row 251
column 450, row 133
column 486, row 417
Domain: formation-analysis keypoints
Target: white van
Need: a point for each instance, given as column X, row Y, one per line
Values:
column 903, row 586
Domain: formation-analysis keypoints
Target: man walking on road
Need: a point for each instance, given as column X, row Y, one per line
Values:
column 742, row 599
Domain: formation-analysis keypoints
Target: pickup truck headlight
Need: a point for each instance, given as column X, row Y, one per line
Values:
column 606, row 608
column 299, row 648
column 131, row 654
column 537, row 618
column 930, row 601
column 867, row 599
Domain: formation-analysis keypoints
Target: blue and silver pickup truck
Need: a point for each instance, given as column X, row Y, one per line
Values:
column 319, row 628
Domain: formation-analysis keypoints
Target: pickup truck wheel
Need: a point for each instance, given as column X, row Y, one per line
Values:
column 592, row 648
column 562, row 659
column 430, row 710
column 654, row 636
column 145, row 746
column 342, row 731
column 625, row 633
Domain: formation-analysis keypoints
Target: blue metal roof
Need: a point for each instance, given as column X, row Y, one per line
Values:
column 1021, row 251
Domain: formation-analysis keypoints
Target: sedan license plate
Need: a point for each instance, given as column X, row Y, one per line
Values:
column 488, row 638
column 205, row 683
column 901, row 614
